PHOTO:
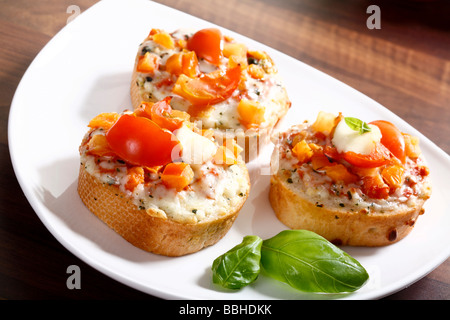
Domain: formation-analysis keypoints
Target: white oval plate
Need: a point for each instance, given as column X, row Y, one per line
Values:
column 85, row 70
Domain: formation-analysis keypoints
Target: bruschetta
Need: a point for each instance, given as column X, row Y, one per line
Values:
column 224, row 85
column 161, row 183
column 354, row 183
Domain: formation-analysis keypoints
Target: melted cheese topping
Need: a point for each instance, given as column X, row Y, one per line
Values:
column 214, row 192
column 321, row 190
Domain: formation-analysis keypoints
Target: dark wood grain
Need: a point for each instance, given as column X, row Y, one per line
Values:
column 405, row 66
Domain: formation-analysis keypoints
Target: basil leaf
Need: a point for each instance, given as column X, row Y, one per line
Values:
column 310, row 263
column 240, row 265
column 357, row 125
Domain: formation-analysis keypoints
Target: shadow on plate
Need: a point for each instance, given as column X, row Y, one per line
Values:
column 110, row 93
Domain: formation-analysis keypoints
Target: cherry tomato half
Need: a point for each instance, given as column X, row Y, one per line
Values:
column 140, row 141
column 392, row 138
column 210, row 88
column 206, row 44
column 378, row 157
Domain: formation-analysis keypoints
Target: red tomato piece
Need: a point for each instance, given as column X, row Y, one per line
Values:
column 210, row 88
column 177, row 175
column 183, row 62
column 148, row 63
column 162, row 114
column 392, row 138
column 377, row 158
column 332, row 153
column 161, row 111
column 374, row 187
column 206, row 44
column 140, row 141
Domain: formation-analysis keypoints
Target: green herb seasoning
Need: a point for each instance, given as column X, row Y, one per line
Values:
column 357, row 125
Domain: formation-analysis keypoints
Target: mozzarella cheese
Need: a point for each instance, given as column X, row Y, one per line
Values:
column 346, row 139
column 196, row 149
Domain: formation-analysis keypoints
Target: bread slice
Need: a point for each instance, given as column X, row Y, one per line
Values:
column 306, row 198
column 163, row 211
column 339, row 226
column 223, row 118
column 149, row 229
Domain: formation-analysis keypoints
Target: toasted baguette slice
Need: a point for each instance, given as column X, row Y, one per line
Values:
column 148, row 229
column 222, row 117
column 337, row 200
column 341, row 227
column 166, row 206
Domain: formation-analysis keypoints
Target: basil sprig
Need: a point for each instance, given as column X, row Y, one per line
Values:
column 310, row 263
column 302, row 259
column 240, row 265
column 357, row 125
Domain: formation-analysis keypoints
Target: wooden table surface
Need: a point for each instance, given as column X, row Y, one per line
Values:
column 405, row 66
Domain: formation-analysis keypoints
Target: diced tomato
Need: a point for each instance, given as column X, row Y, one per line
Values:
column 326, row 122
column 256, row 71
column 148, row 63
column 319, row 160
column 164, row 39
column 302, row 151
column 165, row 82
column 251, row 113
column 206, row 44
column 374, row 187
column 412, row 148
column 104, row 120
column 332, row 153
column 140, row 141
column 135, row 176
column 183, row 63
column 392, row 138
column 165, row 117
column 177, row 175
column 237, row 61
column 210, row 88
column 339, row 173
column 98, row 146
column 234, row 49
column 144, row 110
column 393, row 176
column 162, row 114
column 154, row 31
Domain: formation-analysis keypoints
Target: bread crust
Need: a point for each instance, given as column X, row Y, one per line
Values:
column 147, row 229
column 338, row 225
